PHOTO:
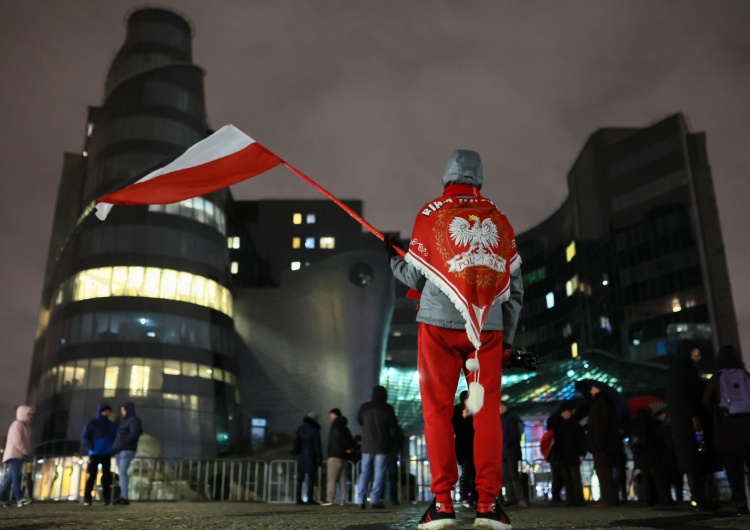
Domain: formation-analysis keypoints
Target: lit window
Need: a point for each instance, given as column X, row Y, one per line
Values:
column 570, row 251
column 150, row 282
column 297, row 218
column 172, row 367
column 676, row 305
column 571, row 285
column 605, row 280
column 310, row 219
column 296, row 242
column 233, row 242
column 139, row 376
column 89, row 128
column 550, row 300
column 85, row 154
column 110, row 380
column 235, row 267
column 574, row 350
column 327, row 242
column 296, row 265
column 309, row 242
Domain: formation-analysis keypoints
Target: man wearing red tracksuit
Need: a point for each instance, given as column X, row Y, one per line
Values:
column 444, row 348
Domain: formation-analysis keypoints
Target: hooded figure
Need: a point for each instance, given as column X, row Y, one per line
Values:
column 99, row 436
column 129, row 431
column 309, row 457
column 125, row 446
column 463, row 262
column 17, row 450
column 379, row 431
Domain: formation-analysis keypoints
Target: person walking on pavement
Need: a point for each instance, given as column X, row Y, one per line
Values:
column 513, row 428
column 379, row 429
column 463, row 429
column 340, row 446
column 309, row 456
column 99, row 436
column 463, row 263
column 125, row 446
column 17, row 451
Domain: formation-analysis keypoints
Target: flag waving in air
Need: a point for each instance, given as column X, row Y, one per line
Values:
column 226, row 157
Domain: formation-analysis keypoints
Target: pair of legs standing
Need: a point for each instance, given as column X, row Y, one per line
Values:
column 105, row 461
column 512, row 482
column 14, row 475
column 123, row 460
column 571, row 479
column 441, row 358
column 336, row 472
column 380, row 463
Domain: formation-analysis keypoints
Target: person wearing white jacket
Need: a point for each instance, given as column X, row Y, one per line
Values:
column 17, row 450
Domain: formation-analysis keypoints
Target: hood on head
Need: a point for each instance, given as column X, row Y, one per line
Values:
column 463, row 167
column 129, row 407
column 22, row 412
column 379, row 394
column 727, row 358
column 682, row 353
column 101, row 408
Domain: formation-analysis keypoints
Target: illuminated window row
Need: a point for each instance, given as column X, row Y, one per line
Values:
column 197, row 208
column 325, row 242
column 297, row 218
column 148, row 282
column 140, row 377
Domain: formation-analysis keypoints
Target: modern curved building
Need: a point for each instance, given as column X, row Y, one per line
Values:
column 633, row 260
column 139, row 308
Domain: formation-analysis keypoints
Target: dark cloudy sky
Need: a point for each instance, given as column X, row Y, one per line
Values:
column 369, row 98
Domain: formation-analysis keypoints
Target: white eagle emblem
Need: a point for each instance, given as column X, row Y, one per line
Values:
column 481, row 238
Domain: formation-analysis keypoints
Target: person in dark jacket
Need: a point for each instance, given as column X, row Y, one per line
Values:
column 675, row 479
column 379, row 426
column 309, row 456
column 649, row 458
column 99, row 436
column 569, row 450
column 731, row 434
column 688, row 416
column 603, row 441
column 125, row 446
column 513, row 428
column 340, row 447
column 463, row 429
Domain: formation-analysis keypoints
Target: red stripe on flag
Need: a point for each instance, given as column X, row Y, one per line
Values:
column 199, row 180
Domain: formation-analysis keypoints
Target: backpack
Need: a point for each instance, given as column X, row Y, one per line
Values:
column 734, row 392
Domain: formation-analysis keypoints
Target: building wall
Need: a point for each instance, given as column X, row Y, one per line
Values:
column 317, row 342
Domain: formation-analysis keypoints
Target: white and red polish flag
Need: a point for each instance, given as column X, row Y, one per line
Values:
column 226, row 157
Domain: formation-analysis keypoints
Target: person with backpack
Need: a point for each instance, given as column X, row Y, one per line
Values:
column 728, row 395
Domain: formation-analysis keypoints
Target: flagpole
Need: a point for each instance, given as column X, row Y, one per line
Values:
column 343, row 206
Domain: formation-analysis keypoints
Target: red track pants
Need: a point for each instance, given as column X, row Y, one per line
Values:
column 442, row 353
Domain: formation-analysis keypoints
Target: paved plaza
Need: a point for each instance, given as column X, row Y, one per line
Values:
column 226, row 516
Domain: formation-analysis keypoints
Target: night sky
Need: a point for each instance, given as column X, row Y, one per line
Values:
column 369, row 99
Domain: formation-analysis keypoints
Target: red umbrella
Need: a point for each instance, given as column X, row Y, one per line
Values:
column 642, row 403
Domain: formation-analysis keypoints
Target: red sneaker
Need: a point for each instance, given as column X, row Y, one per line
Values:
column 438, row 515
column 491, row 515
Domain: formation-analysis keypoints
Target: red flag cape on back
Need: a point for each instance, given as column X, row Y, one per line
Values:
column 226, row 157
column 467, row 248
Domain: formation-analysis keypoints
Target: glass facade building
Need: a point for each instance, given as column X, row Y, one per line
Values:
column 633, row 261
column 139, row 307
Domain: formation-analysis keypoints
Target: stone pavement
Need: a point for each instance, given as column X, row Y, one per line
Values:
column 227, row 516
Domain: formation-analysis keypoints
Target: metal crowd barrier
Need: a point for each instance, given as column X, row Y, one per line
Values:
column 63, row 478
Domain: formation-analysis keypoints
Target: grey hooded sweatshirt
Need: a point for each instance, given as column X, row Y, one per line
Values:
column 435, row 308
